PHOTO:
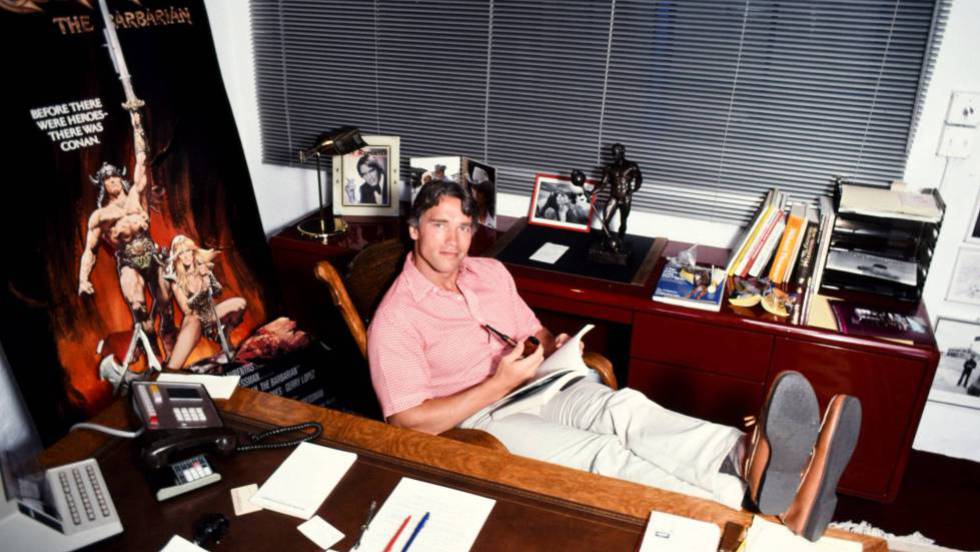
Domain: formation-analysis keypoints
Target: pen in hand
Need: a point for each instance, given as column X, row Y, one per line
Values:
column 529, row 346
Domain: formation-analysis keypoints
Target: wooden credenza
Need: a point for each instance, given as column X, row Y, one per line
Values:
column 717, row 366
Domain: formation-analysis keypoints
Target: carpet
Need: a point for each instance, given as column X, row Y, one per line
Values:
column 916, row 542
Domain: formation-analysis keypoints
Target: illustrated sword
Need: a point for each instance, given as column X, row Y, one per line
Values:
column 132, row 103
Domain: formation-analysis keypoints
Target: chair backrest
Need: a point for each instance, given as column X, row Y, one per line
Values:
column 369, row 276
column 371, row 273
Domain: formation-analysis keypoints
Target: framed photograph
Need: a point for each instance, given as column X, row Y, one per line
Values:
column 957, row 378
column 973, row 232
column 964, row 284
column 427, row 169
column 557, row 203
column 481, row 182
column 365, row 182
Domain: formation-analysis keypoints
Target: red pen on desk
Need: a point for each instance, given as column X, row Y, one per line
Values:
column 397, row 533
column 529, row 346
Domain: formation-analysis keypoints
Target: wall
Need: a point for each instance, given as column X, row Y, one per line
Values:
column 947, row 428
column 284, row 194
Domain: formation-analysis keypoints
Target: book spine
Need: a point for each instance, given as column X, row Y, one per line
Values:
column 750, row 234
column 787, row 246
column 827, row 219
column 796, row 250
column 804, row 264
column 742, row 269
column 769, row 247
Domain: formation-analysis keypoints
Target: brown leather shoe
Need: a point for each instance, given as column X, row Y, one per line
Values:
column 784, row 436
column 813, row 507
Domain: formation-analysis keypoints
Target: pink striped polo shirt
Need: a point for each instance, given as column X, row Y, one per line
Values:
column 426, row 342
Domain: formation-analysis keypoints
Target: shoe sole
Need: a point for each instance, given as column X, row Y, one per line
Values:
column 846, row 429
column 791, row 425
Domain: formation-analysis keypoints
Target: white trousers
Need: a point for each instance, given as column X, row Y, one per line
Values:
column 623, row 434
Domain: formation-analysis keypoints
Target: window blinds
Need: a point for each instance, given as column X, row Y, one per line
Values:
column 716, row 100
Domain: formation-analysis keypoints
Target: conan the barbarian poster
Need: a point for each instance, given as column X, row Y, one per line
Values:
column 131, row 238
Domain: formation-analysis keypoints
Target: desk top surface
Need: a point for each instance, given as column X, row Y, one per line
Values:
column 537, row 502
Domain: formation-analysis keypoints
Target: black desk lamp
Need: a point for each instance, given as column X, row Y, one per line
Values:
column 339, row 141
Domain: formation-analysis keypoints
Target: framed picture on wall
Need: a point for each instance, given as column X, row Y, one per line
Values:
column 973, row 231
column 957, row 378
column 964, row 283
column 366, row 182
column 557, row 203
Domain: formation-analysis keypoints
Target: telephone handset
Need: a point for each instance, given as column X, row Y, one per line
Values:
column 180, row 420
column 178, row 417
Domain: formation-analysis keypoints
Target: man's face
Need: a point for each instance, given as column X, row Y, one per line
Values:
column 369, row 175
column 113, row 185
column 442, row 239
column 563, row 199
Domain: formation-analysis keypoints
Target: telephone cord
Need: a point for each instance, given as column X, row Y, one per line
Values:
column 255, row 444
column 109, row 430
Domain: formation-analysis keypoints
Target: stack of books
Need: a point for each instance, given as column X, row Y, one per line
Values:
column 784, row 245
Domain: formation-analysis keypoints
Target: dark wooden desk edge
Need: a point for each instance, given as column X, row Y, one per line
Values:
column 590, row 491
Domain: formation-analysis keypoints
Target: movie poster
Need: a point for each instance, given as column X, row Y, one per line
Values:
column 131, row 237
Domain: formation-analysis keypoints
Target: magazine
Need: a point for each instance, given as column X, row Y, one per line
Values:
column 705, row 293
column 874, row 322
column 562, row 368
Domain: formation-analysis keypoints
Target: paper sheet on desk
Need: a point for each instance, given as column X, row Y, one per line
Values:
column 669, row 533
column 549, row 253
column 219, row 387
column 766, row 536
column 303, row 481
column 455, row 518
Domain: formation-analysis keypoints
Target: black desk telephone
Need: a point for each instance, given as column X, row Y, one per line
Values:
column 181, row 421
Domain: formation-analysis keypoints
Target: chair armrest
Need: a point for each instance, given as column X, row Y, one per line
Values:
column 327, row 274
column 602, row 365
column 474, row 437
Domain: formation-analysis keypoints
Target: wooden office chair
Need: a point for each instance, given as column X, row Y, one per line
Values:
column 369, row 276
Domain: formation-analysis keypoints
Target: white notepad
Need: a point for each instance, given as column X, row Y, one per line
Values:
column 302, row 482
column 455, row 518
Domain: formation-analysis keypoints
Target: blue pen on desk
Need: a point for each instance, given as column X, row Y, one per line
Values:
column 415, row 532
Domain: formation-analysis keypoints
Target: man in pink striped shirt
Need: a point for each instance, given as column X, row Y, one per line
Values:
column 434, row 366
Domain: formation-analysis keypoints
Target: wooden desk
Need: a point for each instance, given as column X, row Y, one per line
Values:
column 539, row 506
column 715, row 366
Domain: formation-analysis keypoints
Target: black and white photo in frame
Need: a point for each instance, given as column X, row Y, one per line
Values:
column 957, row 379
column 365, row 182
column 558, row 203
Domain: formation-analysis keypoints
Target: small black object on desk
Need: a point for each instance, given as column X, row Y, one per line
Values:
column 210, row 529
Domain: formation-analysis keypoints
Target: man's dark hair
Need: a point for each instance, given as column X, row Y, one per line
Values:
column 371, row 163
column 430, row 195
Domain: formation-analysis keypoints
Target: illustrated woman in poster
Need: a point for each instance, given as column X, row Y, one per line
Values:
column 122, row 220
column 195, row 287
